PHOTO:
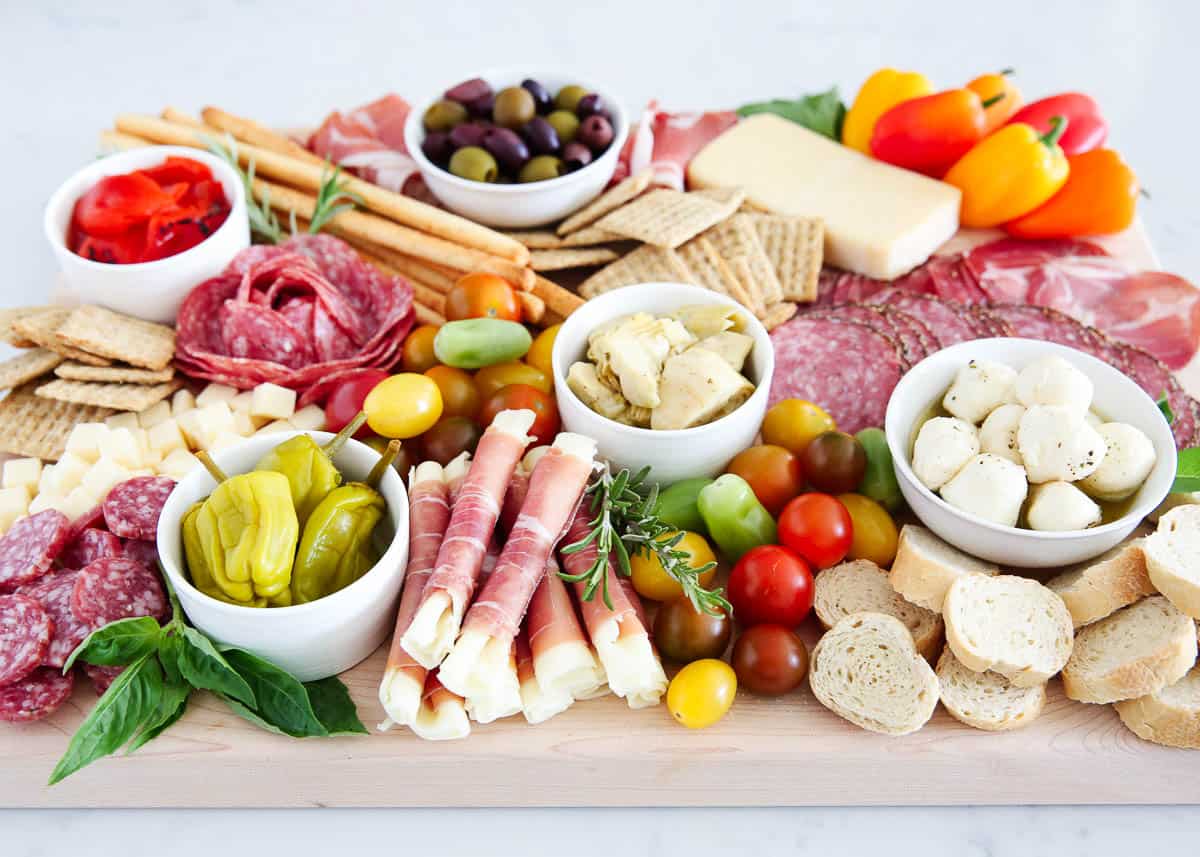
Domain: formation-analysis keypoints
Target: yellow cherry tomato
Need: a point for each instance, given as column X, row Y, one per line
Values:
column 418, row 355
column 792, row 423
column 651, row 580
column 403, row 406
column 875, row 533
column 539, row 353
column 701, row 693
column 489, row 379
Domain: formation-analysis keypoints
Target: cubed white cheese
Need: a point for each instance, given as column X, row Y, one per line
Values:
column 998, row 434
column 242, row 424
column 182, row 402
column 45, row 501
column 216, row 393
column 22, row 473
column 203, row 425
column 1057, row 444
column 989, row 487
column 1059, row 506
column 63, row 476
column 157, row 413
column 14, row 504
column 121, row 446
column 241, row 402
column 1128, row 460
column 103, row 475
column 125, row 419
column 276, row 427
column 272, row 402
column 178, row 464
column 148, row 455
column 943, row 446
column 165, row 437
column 84, row 440
column 978, row 389
column 1054, row 381
column 308, row 418
column 79, row 502
column 224, row 440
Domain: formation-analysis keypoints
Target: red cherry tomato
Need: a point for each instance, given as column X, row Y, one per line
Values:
column 771, row 585
column 482, row 295
column 347, row 398
column 517, row 396
column 817, row 527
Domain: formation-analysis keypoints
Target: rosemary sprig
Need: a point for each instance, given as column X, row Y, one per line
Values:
column 330, row 202
column 263, row 221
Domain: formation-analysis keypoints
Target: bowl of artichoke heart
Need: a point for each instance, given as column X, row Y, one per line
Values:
column 292, row 545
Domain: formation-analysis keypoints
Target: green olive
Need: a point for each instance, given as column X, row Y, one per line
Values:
column 568, row 97
column 474, row 163
column 514, row 107
column 565, row 123
column 541, row 168
column 444, row 115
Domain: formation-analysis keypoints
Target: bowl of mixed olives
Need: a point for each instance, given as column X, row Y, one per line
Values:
column 513, row 148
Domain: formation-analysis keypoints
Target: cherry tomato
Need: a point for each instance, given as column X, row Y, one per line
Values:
column 773, row 473
column 489, row 379
column 701, row 693
column 684, row 634
column 460, row 397
column 347, row 399
column 482, row 295
column 651, row 580
column 792, row 423
column 817, row 527
column 449, row 437
column 518, row 396
column 771, row 584
column 770, row 660
column 543, row 345
column 403, row 462
column 403, row 406
column 834, row 462
column 418, row 355
column 874, row 531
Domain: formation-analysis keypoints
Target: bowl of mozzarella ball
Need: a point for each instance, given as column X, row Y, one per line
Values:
column 1028, row 453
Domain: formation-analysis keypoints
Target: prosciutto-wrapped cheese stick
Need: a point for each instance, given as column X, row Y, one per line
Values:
column 455, row 473
column 518, row 487
column 475, row 668
column 476, row 507
column 442, row 715
column 562, row 658
column 537, row 704
column 620, row 635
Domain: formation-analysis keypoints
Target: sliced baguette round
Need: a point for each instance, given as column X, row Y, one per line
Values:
column 867, row 670
column 1173, row 558
column 861, row 586
column 1103, row 586
column 1170, row 716
column 986, row 700
column 925, row 566
column 1012, row 625
column 1134, row 652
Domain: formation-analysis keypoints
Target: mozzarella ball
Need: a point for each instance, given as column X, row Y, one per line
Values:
column 1054, row 381
column 978, row 389
column 998, row 434
column 943, row 446
column 1127, row 462
column 989, row 487
column 1056, row 443
column 1060, row 506
column 1093, row 419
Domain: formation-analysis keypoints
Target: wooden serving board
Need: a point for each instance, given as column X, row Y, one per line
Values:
column 788, row 751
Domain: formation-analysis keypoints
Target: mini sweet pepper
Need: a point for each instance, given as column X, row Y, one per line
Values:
column 1086, row 126
column 879, row 93
column 734, row 517
column 1099, row 198
column 997, row 110
column 928, row 134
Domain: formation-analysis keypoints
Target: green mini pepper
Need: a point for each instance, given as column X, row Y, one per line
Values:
column 676, row 505
column 735, row 519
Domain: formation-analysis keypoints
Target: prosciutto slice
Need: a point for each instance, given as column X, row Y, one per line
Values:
column 442, row 715
column 537, row 703
column 562, row 658
column 668, row 141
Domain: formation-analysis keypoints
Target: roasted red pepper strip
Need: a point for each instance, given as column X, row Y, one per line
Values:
column 1086, row 128
column 928, row 134
column 1099, row 198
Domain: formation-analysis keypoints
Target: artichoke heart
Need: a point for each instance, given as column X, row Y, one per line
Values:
column 697, row 386
column 593, row 392
column 704, row 320
column 731, row 347
column 632, row 353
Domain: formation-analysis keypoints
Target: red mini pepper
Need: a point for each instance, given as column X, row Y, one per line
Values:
column 1099, row 198
column 1086, row 128
column 929, row 134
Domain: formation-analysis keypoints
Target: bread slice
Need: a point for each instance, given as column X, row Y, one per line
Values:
column 1173, row 558
column 925, row 566
column 1104, row 585
column 867, row 670
column 861, row 586
column 1135, row 651
column 986, row 700
column 1170, row 716
column 1012, row 625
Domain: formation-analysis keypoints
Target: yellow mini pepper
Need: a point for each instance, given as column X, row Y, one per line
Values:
column 880, row 93
column 1009, row 174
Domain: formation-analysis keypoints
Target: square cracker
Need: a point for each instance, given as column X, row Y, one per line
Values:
column 116, row 374
column 39, row 427
column 610, row 200
column 709, row 270
column 668, row 218
column 647, row 264
column 41, row 328
column 26, row 366
column 8, row 316
column 121, row 397
column 795, row 246
column 545, row 239
column 737, row 238
column 777, row 314
column 121, row 337
column 577, row 257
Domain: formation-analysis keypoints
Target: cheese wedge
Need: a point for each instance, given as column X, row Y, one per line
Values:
column 880, row 221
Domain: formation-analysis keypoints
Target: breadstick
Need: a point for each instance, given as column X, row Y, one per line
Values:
column 557, row 299
column 402, row 209
column 174, row 114
column 249, row 131
column 115, row 141
column 422, row 292
column 533, row 308
column 436, row 277
column 427, row 316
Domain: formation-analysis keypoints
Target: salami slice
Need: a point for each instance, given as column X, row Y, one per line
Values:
column 30, row 546
column 949, row 322
column 94, row 517
column 117, row 588
column 1153, row 376
column 1048, row 325
column 36, row 696
column 878, row 318
column 132, row 508
column 143, row 551
column 843, row 366
column 914, row 336
column 951, row 280
column 53, row 592
column 102, row 676
column 25, row 632
column 89, row 546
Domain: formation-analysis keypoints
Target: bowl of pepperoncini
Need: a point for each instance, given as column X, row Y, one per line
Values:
column 293, row 546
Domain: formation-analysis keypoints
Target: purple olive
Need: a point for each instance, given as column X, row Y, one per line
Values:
column 589, row 105
column 595, row 132
column 541, row 136
column 542, row 98
column 576, row 156
column 468, row 134
column 507, row 148
column 481, row 107
column 437, row 147
column 469, row 90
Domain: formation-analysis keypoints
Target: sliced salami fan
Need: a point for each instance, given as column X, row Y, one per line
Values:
column 102, row 676
column 913, row 348
column 25, row 633
column 89, row 546
column 118, row 588
column 30, row 546
column 36, row 696
column 132, row 508
column 53, row 592
column 990, row 323
column 845, row 367
column 949, row 322
column 143, row 551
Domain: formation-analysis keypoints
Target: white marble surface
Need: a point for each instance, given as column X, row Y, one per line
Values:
column 70, row 66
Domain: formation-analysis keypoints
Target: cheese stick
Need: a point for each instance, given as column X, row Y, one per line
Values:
column 537, row 704
column 442, row 716
column 562, row 659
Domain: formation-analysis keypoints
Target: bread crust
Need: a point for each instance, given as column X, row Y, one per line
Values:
column 1177, row 577
column 1166, row 721
column 955, row 683
column 875, row 593
column 1115, row 580
column 925, row 567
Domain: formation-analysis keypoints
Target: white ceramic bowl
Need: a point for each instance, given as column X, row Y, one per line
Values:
column 672, row 455
column 314, row 640
column 149, row 290
column 1116, row 398
column 516, row 206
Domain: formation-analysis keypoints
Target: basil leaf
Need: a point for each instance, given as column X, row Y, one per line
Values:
column 1164, row 407
column 280, row 698
column 204, row 667
column 1187, row 471
column 127, row 704
column 170, row 708
column 334, row 707
column 249, row 715
column 170, row 649
column 822, row 112
column 117, row 643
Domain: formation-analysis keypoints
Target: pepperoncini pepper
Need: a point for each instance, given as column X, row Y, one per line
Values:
column 879, row 93
column 309, row 468
column 197, row 563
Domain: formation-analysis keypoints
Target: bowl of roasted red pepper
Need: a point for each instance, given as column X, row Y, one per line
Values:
column 135, row 231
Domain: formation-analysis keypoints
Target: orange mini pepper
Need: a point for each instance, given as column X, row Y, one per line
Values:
column 1009, row 174
column 1099, row 198
column 1000, row 96
column 928, row 134
column 879, row 93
